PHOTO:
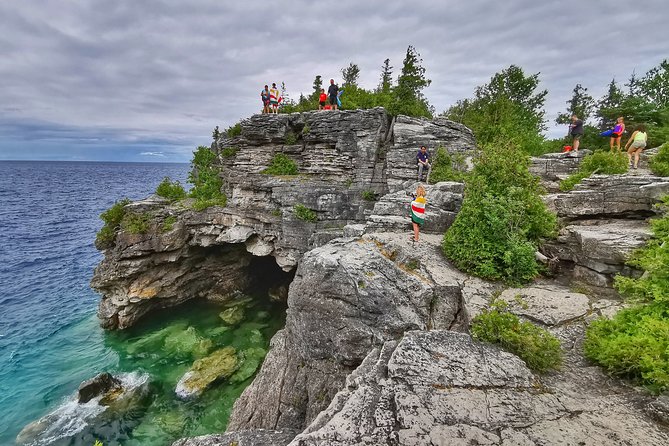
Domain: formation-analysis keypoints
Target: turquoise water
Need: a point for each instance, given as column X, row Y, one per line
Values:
column 50, row 340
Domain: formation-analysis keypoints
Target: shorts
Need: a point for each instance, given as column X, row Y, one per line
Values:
column 636, row 145
column 616, row 135
column 333, row 100
column 322, row 103
column 576, row 137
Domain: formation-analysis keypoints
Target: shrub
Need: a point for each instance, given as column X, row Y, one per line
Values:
column 112, row 218
column 281, row 164
column 304, row 213
column 290, row 139
column 368, row 195
column 502, row 219
column 659, row 164
column 234, row 130
column 173, row 191
column 136, row 223
column 604, row 162
column 634, row 344
column 446, row 167
column 168, row 223
column 206, row 180
column 229, row 152
column 537, row 347
column 306, row 129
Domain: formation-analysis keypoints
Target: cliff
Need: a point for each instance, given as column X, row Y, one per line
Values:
column 375, row 348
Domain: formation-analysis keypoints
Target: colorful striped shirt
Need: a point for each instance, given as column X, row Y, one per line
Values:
column 418, row 210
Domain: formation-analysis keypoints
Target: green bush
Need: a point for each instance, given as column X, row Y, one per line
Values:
column 112, row 218
column 206, row 179
column 368, row 195
column 168, row 223
column 659, row 164
column 229, row 152
column 304, row 213
column 173, row 191
column 604, row 162
column 446, row 167
column 136, row 223
column 281, row 164
column 290, row 139
column 234, row 130
column 306, row 129
column 634, row 344
column 537, row 347
column 502, row 220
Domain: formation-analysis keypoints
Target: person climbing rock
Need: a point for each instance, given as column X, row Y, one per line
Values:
column 423, row 162
column 333, row 89
column 636, row 144
column 576, row 132
column 417, row 212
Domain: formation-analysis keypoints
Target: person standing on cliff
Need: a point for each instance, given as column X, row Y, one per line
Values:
column 417, row 212
column 576, row 132
column 423, row 161
column 274, row 98
column 333, row 89
column 264, row 96
column 322, row 99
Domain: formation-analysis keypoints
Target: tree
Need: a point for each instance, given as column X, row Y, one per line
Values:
column 581, row 104
column 408, row 97
column 318, row 84
column 654, row 86
column 508, row 108
column 350, row 75
column 386, row 77
column 216, row 134
column 607, row 107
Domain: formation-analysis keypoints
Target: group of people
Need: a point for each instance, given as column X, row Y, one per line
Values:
column 271, row 97
column 330, row 101
column 634, row 146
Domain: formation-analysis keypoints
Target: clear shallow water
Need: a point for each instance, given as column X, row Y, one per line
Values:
column 50, row 340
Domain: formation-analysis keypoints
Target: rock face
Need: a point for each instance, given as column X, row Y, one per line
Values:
column 552, row 168
column 339, row 156
column 347, row 297
column 256, row 437
column 439, row 388
column 97, row 386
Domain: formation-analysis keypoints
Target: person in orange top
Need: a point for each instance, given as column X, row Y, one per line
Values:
column 322, row 98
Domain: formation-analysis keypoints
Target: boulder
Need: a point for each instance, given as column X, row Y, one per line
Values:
column 552, row 168
column 547, row 304
column 99, row 385
column 218, row 365
column 256, row 437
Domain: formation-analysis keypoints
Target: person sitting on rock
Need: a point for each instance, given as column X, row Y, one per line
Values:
column 638, row 143
column 417, row 212
column 423, row 162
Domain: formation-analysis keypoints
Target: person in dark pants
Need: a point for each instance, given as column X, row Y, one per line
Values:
column 423, row 161
column 332, row 94
column 576, row 132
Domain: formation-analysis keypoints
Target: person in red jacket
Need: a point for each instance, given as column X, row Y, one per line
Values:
column 322, row 99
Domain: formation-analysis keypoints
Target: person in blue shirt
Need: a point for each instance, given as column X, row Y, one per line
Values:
column 423, row 162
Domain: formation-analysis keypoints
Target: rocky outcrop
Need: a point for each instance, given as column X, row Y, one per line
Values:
column 342, row 157
column 255, row 437
column 347, row 298
column 552, row 168
column 99, row 385
column 439, row 387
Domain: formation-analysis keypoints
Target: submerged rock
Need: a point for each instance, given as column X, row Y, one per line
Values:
column 233, row 315
column 187, row 343
column 219, row 364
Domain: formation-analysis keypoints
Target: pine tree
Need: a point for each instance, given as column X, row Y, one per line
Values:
column 318, row 84
column 216, row 134
column 386, row 77
column 607, row 107
column 350, row 75
column 581, row 104
column 408, row 96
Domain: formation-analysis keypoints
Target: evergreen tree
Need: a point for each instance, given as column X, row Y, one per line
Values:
column 386, row 77
column 608, row 106
column 216, row 134
column 318, row 84
column 408, row 96
column 581, row 104
column 654, row 85
column 350, row 75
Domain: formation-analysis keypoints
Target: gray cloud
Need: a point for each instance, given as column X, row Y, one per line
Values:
column 169, row 71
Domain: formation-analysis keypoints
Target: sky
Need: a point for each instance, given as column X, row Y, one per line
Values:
column 130, row 80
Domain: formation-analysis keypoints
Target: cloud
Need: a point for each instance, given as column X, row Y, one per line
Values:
column 130, row 72
column 159, row 154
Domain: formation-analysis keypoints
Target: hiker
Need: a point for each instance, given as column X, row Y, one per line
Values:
column 274, row 99
column 423, row 162
column 617, row 134
column 417, row 212
column 264, row 96
column 575, row 131
column 636, row 144
column 332, row 93
column 321, row 99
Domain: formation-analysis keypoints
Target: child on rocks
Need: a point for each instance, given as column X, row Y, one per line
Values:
column 417, row 212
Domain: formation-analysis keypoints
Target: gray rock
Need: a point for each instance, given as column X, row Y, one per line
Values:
column 438, row 388
column 552, row 168
column 256, row 437
column 97, row 386
column 548, row 304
